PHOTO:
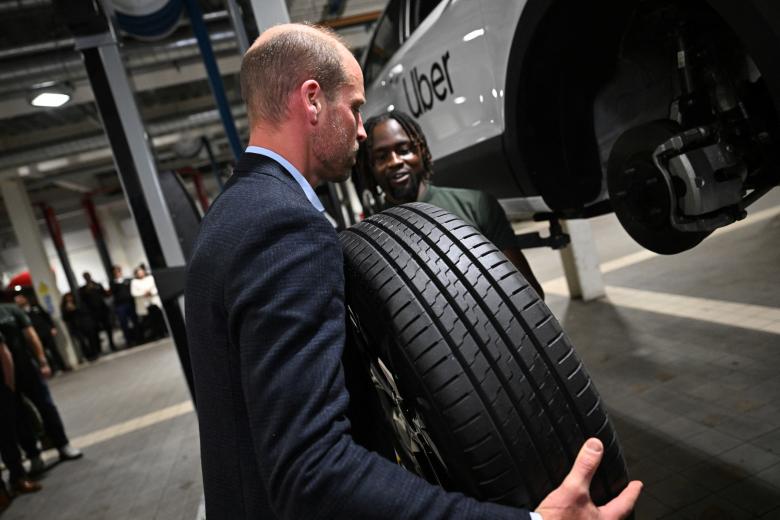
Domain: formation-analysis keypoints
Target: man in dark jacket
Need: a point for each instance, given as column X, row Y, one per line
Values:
column 124, row 307
column 9, row 439
column 93, row 297
column 30, row 372
column 266, row 318
column 44, row 327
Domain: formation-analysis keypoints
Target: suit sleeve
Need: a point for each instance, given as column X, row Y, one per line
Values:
column 286, row 314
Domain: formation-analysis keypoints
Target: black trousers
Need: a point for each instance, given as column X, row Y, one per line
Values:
column 128, row 321
column 88, row 340
column 103, row 322
column 30, row 382
column 9, row 437
column 52, row 354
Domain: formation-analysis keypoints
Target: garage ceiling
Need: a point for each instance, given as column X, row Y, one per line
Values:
column 62, row 153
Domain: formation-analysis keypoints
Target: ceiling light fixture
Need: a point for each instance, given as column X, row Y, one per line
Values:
column 50, row 95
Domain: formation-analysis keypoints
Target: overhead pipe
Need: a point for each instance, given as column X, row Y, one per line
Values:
column 215, row 79
column 139, row 58
column 37, row 48
column 68, row 43
column 194, row 122
column 15, row 5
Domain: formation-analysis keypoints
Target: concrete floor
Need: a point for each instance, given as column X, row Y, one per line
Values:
column 131, row 415
column 685, row 351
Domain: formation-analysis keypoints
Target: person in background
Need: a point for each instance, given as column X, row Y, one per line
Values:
column 93, row 297
column 30, row 373
column 124, row 307
column 148, row 305
column 18, row 480
column 44, row 326
column 395, row 157
column 80, row 326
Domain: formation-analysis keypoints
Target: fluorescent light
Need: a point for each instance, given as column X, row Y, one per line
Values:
column 473, row 34
column 458, row 100
column 390, row 108
column 53, row 164
column 50, row 99
column 50, row 94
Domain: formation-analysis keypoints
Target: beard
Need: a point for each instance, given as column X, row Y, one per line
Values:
column 406, row 193
column 336, row 150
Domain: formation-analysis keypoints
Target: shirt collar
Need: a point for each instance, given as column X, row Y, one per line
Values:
column 304, row 184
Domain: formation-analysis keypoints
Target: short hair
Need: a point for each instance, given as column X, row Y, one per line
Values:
column 364, row 163
column 272, row 70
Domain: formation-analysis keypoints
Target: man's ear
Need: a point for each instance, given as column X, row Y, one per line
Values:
column 311, row 95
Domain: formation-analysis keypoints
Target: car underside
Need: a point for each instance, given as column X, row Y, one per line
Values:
column 665, row 111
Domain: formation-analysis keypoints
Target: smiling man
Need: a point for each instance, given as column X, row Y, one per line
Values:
column 395, row 163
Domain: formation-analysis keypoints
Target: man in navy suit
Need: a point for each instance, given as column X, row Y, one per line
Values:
column 266, row 318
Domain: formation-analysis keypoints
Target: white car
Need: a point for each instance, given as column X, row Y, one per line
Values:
column 665, row 111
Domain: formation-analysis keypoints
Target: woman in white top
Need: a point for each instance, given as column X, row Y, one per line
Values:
column 148, row 305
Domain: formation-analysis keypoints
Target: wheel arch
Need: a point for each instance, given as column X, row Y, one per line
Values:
column 562, row 53
column 551, row 82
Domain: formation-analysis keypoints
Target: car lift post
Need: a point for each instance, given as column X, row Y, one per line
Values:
column 581, row 261
column 133, row 158
column 579, row 257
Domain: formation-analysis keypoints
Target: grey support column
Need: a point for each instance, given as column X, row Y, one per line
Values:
column 28, row 234
column 133, row 156
column 269, row 13
column 238, row 26
column 114, row 238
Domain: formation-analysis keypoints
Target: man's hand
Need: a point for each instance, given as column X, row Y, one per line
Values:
column 45, row 368
column 571, row 501
column 35, row 344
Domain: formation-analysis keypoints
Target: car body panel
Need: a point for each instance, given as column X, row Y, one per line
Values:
column 464, row 107
column 526, row 98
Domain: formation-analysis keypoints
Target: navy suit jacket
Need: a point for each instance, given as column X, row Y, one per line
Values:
column 266, row 328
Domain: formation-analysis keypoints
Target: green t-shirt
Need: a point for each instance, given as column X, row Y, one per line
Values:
column 478, row 208
column 13, row 321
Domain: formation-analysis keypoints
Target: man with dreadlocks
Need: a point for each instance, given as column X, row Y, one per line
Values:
column 395, row 157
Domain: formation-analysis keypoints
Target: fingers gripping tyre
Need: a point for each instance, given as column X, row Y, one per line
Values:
column 483, row 390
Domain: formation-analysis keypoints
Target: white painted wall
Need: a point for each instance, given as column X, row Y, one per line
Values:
column 81, row 249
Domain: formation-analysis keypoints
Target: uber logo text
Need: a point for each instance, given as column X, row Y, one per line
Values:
column 426, row 87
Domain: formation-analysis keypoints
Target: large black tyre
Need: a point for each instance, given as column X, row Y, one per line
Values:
column 494, row 396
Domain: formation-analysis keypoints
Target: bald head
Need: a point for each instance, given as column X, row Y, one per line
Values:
column 281, row 59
